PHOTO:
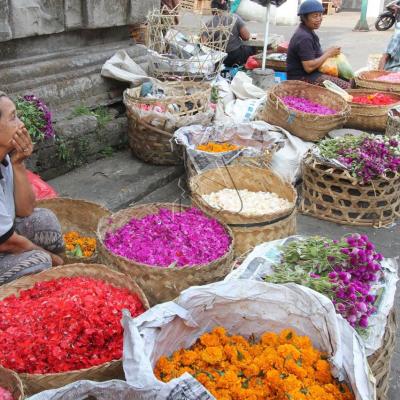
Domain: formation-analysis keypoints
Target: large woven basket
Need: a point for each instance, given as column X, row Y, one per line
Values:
column 150, row 138
column 367, row 80
column 35, row 383
column 332, row 194
column 9, row 380
column 248, row 230
column 160, row 283
column 306, row 126
column 369, row 117
column 76, row 215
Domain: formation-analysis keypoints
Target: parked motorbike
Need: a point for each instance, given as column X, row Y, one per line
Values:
column 388, row 18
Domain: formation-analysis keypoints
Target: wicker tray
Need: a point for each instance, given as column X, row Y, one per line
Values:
column 369, row 117
column 9, row 380
column 334, row 195
column 77, row 215
column 367, row 80
column 248, row 231
column 150, row 138
column 159, row 283
column 35, row 383
column 306, row 126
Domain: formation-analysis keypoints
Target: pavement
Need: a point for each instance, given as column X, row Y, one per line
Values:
column 121, row 180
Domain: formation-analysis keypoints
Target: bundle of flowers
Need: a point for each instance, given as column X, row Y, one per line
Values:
column 63, row 325
column 79, row 246
column 393, row 77
column 215, row 147
column 376, row 99
column 246, row 202
column 169, row 238
column 275, row 367
column 5, row 394
column 365, row 156
column 307, row 106
column 345, row 271
column 36, row 116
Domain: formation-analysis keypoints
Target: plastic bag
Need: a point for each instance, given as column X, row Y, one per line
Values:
column 330, row 67
column 344, row 67
column 41, row 189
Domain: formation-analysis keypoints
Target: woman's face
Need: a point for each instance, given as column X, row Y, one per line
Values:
column 9, row 122
column 313, row 21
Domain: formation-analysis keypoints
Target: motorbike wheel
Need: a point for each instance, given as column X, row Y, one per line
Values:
column 385, row 21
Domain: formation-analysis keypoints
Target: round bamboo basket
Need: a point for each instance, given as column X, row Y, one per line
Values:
column 35, row 383
column 9, row 380
column 76, row 215
column 160, row 283
column 150, row 139
column 332, row 194
column 369, row 117
column 309, row 127
column 248, row 230
column 366, row 80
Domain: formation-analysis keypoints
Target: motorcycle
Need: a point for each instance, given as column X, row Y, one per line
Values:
column 388, row 18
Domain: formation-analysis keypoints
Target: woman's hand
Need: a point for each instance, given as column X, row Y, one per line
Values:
column 23, row 146
column 333, row 51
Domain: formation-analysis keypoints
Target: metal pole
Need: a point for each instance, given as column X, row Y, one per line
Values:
column 266, row 35
column 362, row 24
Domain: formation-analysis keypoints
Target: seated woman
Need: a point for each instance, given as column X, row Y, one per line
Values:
column 29, row 237
column 390, row 60
column 305, row 54
column 238, row 53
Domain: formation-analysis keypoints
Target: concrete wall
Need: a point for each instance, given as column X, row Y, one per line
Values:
column 26, row 18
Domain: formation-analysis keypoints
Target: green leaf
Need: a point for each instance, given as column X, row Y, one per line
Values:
column 78, row 251
column 240, row 356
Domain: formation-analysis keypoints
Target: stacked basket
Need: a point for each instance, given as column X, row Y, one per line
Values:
column 367, row 80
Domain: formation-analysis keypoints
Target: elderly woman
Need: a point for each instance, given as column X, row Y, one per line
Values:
column 305, row 55
column 29, row 237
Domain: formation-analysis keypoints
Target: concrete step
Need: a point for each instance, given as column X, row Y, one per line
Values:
column 115, row 181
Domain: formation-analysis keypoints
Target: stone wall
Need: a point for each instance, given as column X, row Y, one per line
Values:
column 26, row 18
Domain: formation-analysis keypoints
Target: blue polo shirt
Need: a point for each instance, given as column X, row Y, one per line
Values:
column 303, row 46
column 7, row 204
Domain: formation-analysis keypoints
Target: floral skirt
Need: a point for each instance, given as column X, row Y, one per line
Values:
column 323, row 77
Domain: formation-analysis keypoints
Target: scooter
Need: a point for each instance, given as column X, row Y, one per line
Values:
column 387, row 19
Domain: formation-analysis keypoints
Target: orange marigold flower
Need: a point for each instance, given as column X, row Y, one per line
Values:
column 209, row 340
column 212, row 355
column 189, row 357
column 269, row 339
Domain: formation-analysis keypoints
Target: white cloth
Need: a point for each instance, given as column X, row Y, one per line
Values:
column 7, row 204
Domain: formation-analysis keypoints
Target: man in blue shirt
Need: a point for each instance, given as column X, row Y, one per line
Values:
column 390, row 60
column 29, row 236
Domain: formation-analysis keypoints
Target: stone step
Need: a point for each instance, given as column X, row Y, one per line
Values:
column 116, row 181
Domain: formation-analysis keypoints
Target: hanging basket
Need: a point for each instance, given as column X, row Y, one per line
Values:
column 9, row 380
column 369, row 117
column 152, row 122
column 161, row 283
column 76, row 215
column 332, row 194
column 366, row 80
column 248, row 230
column 309, row 127
column 35, row 383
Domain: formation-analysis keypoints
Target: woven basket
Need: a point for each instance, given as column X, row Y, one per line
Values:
column 9, row 380
column 159, row 283
column 76, row 215
column 393, row 123
column 369, row 117
column 276, row 65
column 139, row 33
column 150, row 139
column 332, row 194
column 367, row 80
column 248, row 231
column 306, row 126
column 35, row 383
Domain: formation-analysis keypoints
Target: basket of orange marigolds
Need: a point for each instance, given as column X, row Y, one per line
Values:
column 205, row 147
column 78, row 219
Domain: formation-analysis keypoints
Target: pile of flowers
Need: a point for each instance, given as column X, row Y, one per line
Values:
column 307, row 106
column 393, row 77
column 365, row 156
column 5, row 394
column 63, row 325
column 79, row 246
column 169, row 238
column 36, row 116
column 345, row 271
column 278, row 366
column 215, row 147
column 376, row 99
column 246, row 202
